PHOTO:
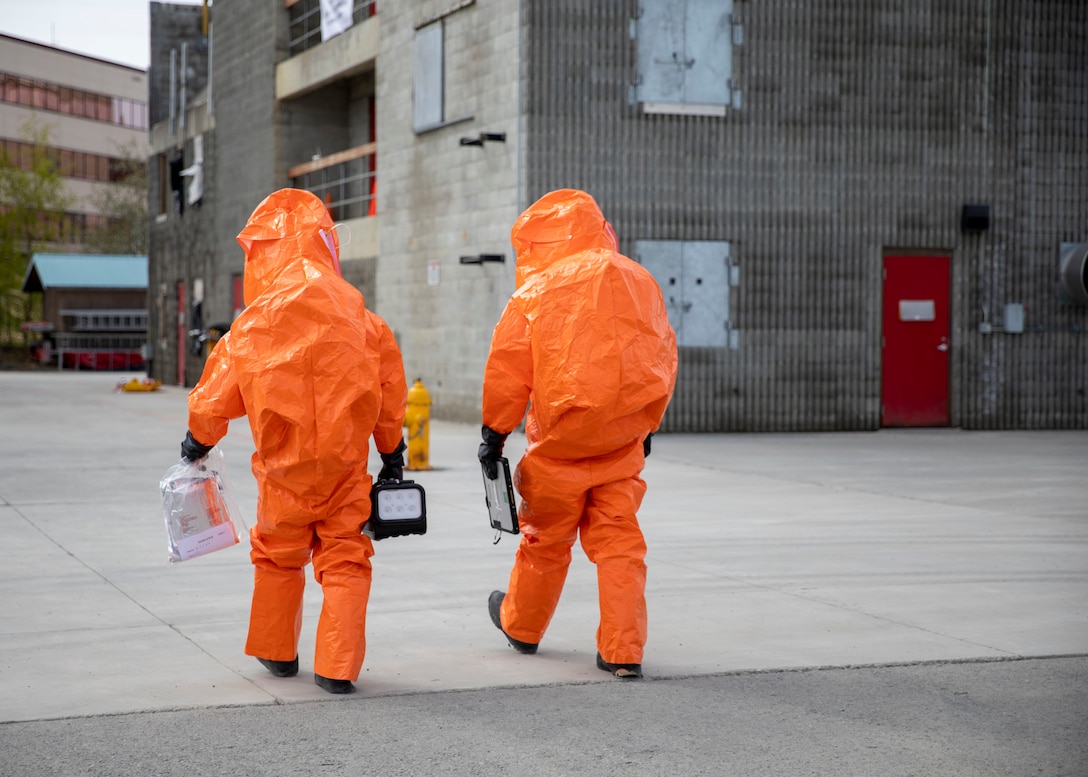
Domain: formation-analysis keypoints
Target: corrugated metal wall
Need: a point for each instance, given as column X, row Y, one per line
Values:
column 864, row 128
column 1038, row 152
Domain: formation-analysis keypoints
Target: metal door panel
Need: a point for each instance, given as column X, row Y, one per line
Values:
column 915, row 359
column 708, row 48
column 661, row 57
column 664, row 259
column 705, row 292
column 694, row 280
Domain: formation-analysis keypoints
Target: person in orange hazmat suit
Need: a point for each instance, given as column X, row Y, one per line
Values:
column 585, row 342
column 317, row 374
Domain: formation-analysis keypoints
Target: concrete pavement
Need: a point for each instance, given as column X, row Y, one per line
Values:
column 919, row 561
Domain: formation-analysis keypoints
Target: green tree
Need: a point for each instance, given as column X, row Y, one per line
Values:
column 33, row 198
column 123, row 206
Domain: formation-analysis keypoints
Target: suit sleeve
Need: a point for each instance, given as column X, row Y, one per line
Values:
column 394, row 388
column 508, row 374
column 667, row 358
column 217, row 398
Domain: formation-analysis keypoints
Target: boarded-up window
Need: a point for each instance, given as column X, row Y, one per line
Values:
column 427, row 76
column 695, row 277
column 685, row 56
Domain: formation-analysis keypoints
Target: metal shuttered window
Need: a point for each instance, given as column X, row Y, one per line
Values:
column 695, row 277
column 427, row 77
column 685, row 56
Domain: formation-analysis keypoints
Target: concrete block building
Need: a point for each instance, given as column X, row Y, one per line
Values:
column 862, row 213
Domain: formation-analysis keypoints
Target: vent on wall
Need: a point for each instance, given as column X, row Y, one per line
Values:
column 1073, row 272
column 975, row 218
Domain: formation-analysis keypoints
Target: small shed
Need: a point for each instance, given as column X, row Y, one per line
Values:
column 94, row 308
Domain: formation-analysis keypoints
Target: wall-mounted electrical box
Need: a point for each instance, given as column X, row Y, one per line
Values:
column 1014, row 318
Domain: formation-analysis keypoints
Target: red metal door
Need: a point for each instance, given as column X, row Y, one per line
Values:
column 183, row 339
column 914, row 384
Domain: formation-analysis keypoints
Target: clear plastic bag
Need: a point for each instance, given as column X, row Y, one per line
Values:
column 200, row 512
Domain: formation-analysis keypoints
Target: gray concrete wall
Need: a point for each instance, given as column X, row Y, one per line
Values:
column 438, row 200
column 171, row 25
column 244, row 162
column 316, row 124
column 249, row 38
column 348, row 54
column 1036, row 144
column 182, row 248
column 864, row 127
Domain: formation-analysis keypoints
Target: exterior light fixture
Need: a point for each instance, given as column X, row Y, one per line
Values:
column 494, row 137
column 975, row 218
column 481, row 258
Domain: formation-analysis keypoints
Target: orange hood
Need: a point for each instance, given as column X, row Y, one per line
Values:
column 289, row 229
column 559, row 224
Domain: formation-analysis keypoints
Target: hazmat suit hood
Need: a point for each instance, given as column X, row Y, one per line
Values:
column 304, row 359
column 559, row 224
column 288, row 230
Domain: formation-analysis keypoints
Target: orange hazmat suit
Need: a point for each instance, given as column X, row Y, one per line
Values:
column 585, row 342
column 317, row 374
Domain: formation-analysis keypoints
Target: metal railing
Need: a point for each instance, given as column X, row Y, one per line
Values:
column 345, row 181
column 107, row 320
column 304, row 25
column 99, row 351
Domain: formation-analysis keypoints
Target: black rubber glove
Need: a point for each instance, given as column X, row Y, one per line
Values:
column 393, row 464
column 191, row 450
column 491, row 450
column 646, row 445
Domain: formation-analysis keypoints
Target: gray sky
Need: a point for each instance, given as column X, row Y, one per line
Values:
column 116, row 30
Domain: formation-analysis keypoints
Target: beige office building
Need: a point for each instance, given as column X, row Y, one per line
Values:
column 96, row 112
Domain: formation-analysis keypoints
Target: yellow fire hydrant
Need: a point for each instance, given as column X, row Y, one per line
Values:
column 417, row 418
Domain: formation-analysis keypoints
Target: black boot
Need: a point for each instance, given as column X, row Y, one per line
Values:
column 334, row 686
column 622, row 671
column 494, row 607
column 280, row 668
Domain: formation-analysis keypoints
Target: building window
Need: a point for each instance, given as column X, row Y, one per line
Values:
column 345, row 181
column 445, row 34
column 305, row 20
column 685, row 56
column 47, row 96
column 71, row 163
column 695, row 277
column 427, row 78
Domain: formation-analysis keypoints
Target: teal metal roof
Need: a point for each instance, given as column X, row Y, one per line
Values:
column 85, row 271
